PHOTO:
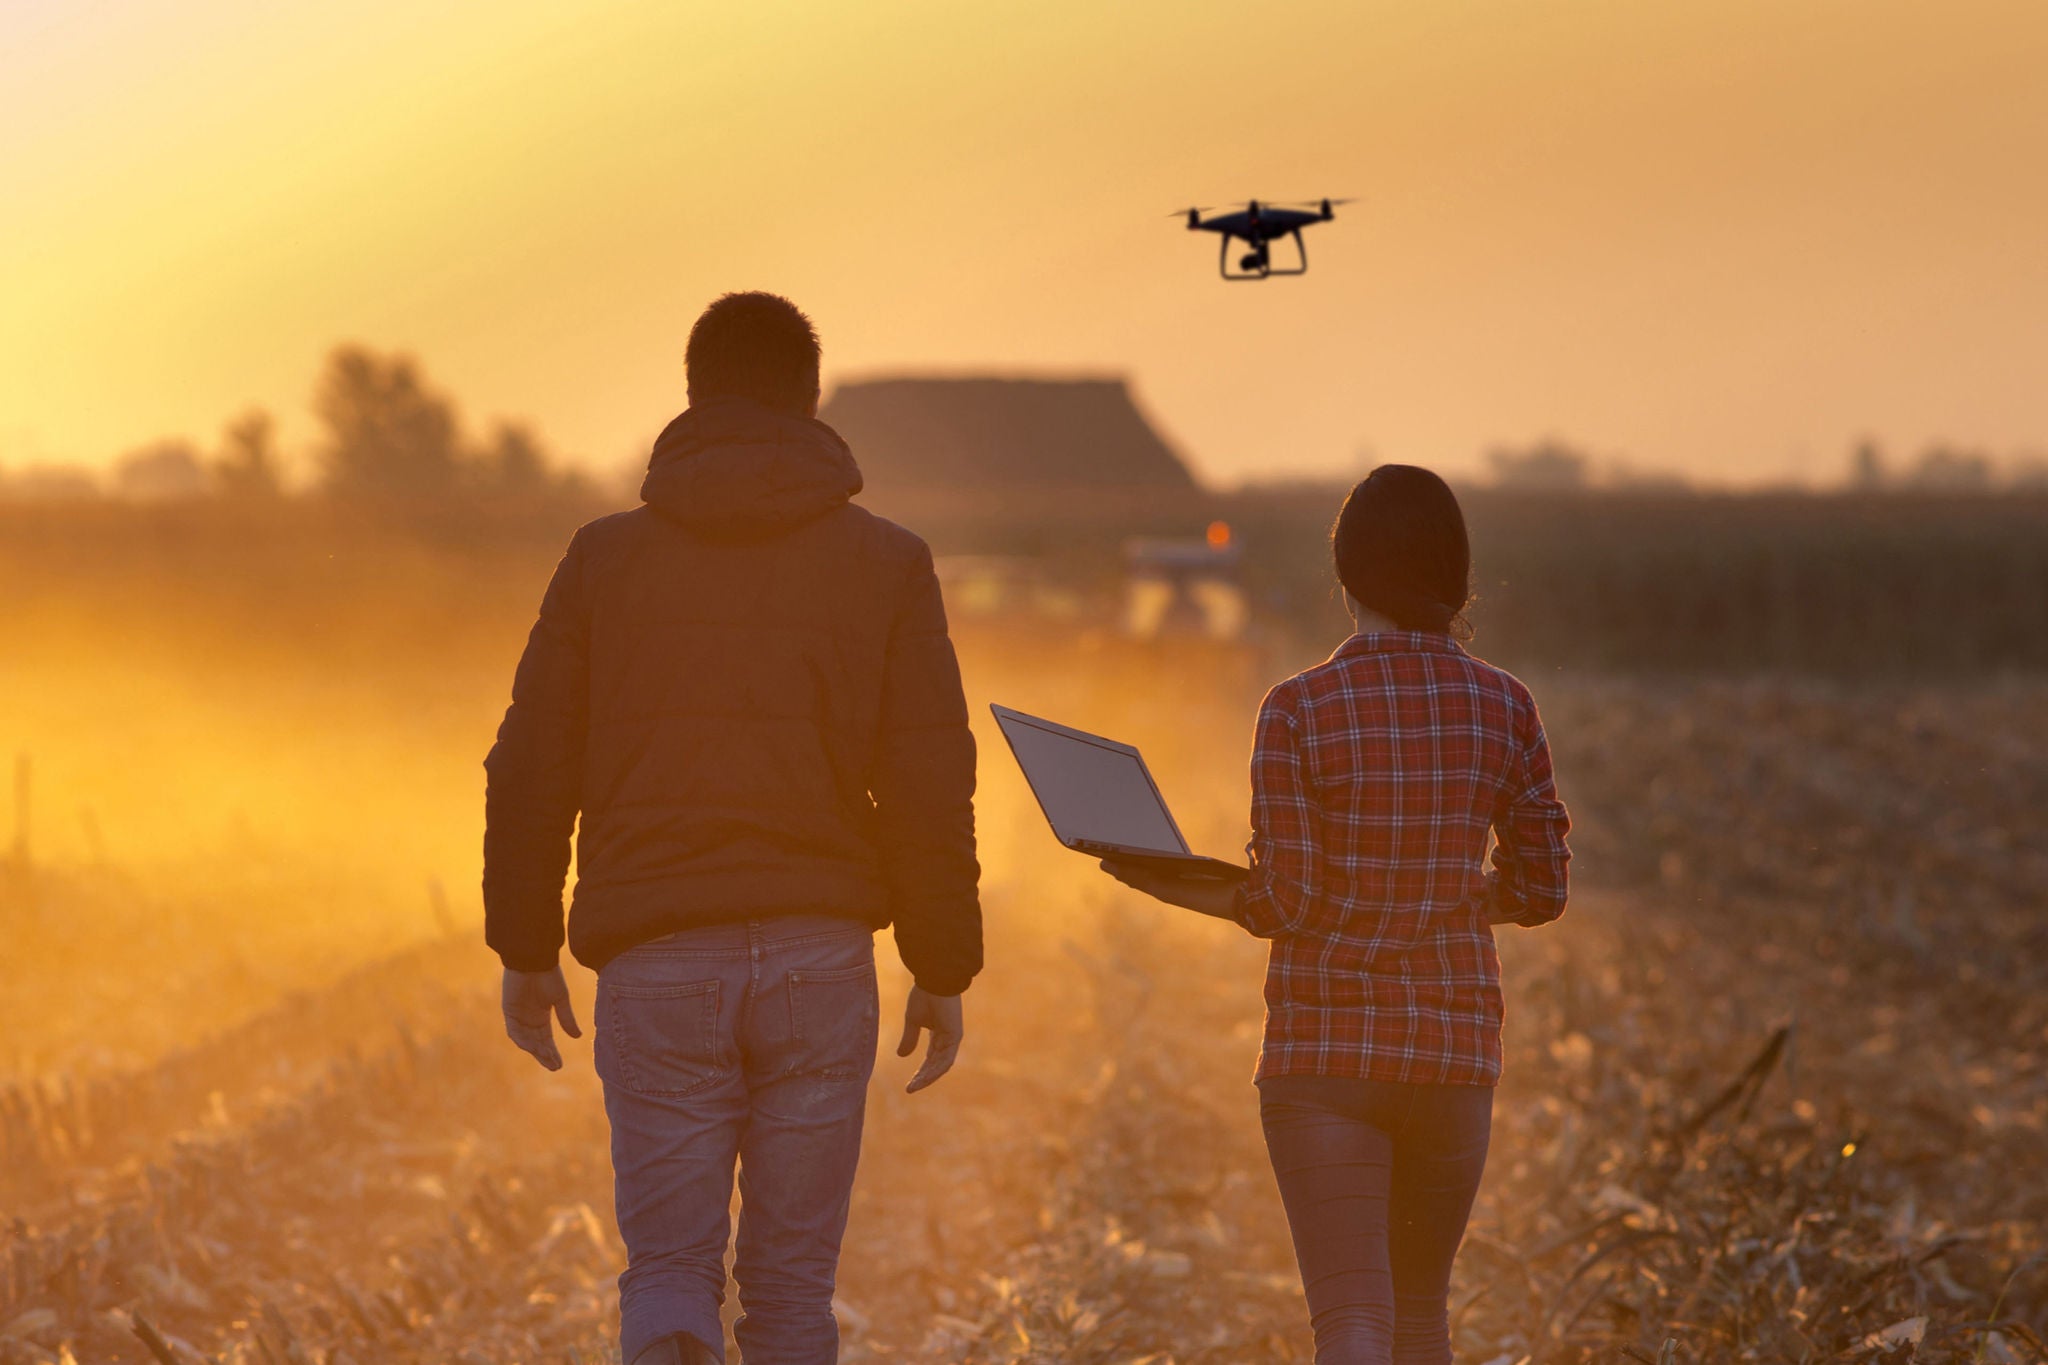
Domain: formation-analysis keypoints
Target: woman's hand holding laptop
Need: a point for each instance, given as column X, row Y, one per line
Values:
column 1203, row 895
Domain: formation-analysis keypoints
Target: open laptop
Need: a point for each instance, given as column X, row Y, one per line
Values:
column 1100, row 799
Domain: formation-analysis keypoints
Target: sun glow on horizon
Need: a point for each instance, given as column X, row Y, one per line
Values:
column 1723, row 240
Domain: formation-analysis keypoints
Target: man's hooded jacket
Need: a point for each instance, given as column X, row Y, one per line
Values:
column 745, row 690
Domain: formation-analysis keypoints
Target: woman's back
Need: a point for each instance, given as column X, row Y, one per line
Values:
column 1377, row 777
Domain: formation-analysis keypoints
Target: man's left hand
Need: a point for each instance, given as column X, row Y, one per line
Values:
column 529, row 999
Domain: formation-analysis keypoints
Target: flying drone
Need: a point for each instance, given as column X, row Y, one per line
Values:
column 1258, row 226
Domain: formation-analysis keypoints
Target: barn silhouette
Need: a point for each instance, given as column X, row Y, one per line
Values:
column 920, row 438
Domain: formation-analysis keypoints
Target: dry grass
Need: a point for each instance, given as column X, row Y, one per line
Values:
column 1777, row 1086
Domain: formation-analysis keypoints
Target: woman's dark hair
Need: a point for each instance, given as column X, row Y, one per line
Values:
column 754, row 345
column 1401, row 549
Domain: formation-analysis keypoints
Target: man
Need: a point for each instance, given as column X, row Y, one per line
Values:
column 746, row 691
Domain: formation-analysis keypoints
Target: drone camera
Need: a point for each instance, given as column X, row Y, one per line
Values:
column 1256, row 227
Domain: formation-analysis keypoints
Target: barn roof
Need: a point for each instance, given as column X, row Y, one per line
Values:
column 962, row 435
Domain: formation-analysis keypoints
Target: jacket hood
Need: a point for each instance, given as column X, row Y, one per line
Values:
column 734, row 469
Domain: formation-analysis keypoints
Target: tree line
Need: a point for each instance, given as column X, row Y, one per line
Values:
column 385, row 435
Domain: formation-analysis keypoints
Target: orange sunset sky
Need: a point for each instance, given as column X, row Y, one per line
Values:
column 1720, row 237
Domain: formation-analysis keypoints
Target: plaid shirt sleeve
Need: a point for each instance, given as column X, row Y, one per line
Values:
column 1277, row 898
column 1528, row 882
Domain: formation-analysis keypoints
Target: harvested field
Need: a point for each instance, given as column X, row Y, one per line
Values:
column 1777, row 1086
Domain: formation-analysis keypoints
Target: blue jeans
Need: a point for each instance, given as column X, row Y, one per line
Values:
column 748, row 1043
column 1378, row 1179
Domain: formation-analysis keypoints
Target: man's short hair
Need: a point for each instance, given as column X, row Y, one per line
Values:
column 754, row 345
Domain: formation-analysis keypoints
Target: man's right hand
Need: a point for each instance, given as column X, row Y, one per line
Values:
column 941, row 1014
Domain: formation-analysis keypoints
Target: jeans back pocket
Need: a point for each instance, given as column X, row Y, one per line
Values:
column 658, row 1040
column 833, row 1015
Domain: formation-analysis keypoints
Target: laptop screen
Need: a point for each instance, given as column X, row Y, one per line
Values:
column 1091, row 789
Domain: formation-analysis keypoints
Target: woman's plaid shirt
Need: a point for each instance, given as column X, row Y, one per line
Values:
column 1376, row 778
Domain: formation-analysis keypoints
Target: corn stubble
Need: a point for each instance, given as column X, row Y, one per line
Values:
column 1776, row 1090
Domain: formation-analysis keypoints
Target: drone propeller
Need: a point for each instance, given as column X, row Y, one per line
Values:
column 1314, row 203
column 1182, row 213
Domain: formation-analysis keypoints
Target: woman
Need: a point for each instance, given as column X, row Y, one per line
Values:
column 1377, row 776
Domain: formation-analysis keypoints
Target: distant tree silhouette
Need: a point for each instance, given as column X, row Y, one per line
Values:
column 1945, row 469
column 1546, row 467
column 1867, row 473
column 48, row 483
column 514, row 463
column 247, row 466
column 387, row 435
column 1622, row 477
column 165, row 471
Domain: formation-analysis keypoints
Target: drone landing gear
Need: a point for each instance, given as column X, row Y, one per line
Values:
column 1257, row 263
